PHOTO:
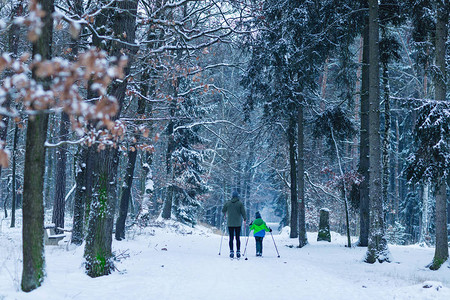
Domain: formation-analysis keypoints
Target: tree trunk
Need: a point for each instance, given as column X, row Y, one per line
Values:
column 167, row 209
column 423, row 241
column 148, row 184
column 126, row 195
column 5, row 202
column 128, row 184
column 441, row 250
column 14, row 166
column 386, row 147
column 60, row 180
column 48, row 172
column 147, row 89
column 396, row 170
column 98, row 253
column 357, row 108
column 344, row 188
column 364, row 145
column 377, row 248
column 81, row 161
column 33, row 183
column 293, row 167
column 302, row 238
column 3, row 136
column 80, row 195
column 33, row 209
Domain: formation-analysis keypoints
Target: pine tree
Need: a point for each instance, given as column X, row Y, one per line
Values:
column 377, row 247
column 432, row 156
column 187, row 160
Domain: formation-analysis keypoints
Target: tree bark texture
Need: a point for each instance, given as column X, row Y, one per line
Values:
column 377, row 248
column 80, row 195
column 302, row 238
column 293, row 168
column 396, row 169
column 33, row 209
column 147, row 179
column 60, row 180
column 128, row 184
column 364, row 145
column 98, row 253
column 386, row 147
column 49, row 167
column 80, row 160
column 14, row 167
column 126, row 195
column 441, row 250
column 167, row 208
column 423, row 239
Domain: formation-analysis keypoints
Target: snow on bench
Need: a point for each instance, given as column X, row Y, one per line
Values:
column 50, row 236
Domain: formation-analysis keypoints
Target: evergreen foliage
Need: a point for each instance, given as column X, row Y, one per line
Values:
column 188, row 158
column 396, row 234
column 337, row 121
column 431, row 159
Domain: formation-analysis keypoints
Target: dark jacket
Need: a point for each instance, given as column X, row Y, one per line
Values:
column 235, row 211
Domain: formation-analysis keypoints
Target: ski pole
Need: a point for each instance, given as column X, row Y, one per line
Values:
column 274, row 244
column 245, row 250
column 223, row 233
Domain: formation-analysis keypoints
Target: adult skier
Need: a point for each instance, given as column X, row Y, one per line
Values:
column 234, row 210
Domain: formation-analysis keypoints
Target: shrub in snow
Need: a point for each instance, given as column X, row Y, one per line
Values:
column 396, row 234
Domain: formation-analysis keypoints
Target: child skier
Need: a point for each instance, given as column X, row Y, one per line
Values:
column 259, row 228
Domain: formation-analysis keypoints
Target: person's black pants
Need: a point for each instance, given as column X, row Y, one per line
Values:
column 259, row 241
column 235, row 232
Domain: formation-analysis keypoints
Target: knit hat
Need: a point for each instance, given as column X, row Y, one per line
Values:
column 235, row 194
column 257, row 215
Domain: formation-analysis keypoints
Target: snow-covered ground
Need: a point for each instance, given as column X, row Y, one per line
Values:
column 178, row 262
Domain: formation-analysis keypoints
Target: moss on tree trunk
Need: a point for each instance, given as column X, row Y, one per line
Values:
column 33, row 209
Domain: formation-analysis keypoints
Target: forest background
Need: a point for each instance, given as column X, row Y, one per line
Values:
column 118, row 112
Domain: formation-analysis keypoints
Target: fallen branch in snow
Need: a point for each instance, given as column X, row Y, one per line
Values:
column 122, row 255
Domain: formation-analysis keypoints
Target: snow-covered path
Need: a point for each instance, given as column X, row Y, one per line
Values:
column 191, row 268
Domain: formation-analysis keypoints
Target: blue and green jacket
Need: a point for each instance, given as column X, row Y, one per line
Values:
column 259, row 227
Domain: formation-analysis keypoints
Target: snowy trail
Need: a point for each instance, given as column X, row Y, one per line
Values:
column 191, row 268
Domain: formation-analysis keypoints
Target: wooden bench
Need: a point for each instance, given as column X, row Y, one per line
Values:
column 50, row 236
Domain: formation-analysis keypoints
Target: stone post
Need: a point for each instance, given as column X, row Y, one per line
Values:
column 324, row 225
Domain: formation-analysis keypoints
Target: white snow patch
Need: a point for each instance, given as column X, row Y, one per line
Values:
column 169, row 260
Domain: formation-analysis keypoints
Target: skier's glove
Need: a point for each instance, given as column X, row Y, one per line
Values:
column 270, row 229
